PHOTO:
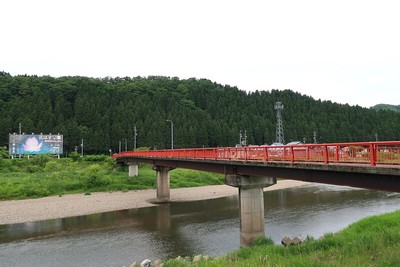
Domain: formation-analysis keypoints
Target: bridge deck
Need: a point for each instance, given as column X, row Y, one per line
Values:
column 373, row 165
column 373, row 153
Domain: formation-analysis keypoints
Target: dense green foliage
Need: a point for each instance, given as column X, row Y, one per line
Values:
column 386, row 107
column 105, row 111
column 374, row 241
column 44, row 176
column 4, row 153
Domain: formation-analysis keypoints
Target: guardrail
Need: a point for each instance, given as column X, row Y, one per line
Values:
column 371, row 153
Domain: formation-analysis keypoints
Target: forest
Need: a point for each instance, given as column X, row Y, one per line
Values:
column 105, row 111
column 387, row 107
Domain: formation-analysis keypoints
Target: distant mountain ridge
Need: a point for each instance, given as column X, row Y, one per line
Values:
column 386, row 107
column 106, row 111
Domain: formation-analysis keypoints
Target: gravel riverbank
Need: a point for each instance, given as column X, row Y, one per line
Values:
column 54, row 207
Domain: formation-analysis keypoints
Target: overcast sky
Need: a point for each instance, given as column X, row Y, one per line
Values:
column 343, row 51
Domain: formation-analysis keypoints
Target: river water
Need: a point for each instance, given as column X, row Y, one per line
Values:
column 202, row 227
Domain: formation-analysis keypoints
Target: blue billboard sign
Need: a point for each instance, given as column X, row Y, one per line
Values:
column 33, row 144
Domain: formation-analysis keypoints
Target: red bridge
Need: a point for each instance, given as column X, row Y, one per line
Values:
column 371, row 165
column 372, row 153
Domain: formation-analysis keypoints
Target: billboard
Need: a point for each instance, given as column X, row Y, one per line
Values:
column 33, row 144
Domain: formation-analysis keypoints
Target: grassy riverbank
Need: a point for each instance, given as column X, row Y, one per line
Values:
column 373, row 241
column 42, row 176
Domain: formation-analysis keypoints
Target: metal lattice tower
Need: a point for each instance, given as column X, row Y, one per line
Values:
column 280, row 138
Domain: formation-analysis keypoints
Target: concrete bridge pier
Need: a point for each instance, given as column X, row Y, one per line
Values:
column 163, row 189
column 251, row 205
column 133, row 169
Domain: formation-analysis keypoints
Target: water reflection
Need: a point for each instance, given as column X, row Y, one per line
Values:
column 317, row 210
column 201, row 227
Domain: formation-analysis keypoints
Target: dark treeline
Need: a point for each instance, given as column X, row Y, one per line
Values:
column 105, row 111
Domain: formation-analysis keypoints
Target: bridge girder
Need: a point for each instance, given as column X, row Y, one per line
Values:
column 360, row 176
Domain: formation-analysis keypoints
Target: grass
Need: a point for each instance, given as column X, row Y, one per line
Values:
column 373, row 241
column 191, row 178
column 43, row 176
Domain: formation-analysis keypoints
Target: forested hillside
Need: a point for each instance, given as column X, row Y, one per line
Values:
column 105, row 111
column 386, row 107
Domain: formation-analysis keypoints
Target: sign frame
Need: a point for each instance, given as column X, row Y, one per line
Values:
column 35, row 144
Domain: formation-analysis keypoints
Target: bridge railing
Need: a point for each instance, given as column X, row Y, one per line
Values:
column 371, row 153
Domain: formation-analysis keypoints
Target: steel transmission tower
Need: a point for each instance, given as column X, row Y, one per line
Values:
column 280, row 138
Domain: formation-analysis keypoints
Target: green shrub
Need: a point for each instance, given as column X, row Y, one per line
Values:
column 32, row 168
column 144, row 182
column 65, row 161
column 263, row 241
column 111, row 164
column 95, row 158
column 74, row 156
column 41, row 160
column 72, row 186
column 4, row 153
column 328, row 242
column 93, row 177
column 6, row 191
column 143, row 148
column 18, row 165
column 52, row 166
column 5, row 164
column 34, row 190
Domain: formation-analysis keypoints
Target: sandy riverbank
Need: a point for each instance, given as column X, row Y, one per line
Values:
column 28, row 210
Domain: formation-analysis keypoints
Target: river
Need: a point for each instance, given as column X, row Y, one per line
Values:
column 208, row 227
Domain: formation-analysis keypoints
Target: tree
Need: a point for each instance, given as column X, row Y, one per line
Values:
column 105, row 111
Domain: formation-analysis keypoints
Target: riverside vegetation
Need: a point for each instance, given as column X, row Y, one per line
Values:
column 43, row 175
column 373, row 241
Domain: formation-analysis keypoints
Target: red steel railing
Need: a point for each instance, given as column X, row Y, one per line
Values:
column 372, row 153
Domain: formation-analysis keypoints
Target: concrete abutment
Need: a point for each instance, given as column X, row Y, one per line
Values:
column 133, row 169
column 251, row 205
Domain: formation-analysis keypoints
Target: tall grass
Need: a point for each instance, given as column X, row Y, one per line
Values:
column 374, row 241
column 44, row 176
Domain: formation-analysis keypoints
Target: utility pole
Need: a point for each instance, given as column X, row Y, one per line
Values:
column 315, row 137
column 134, row 138
column 126, row 144
column 243, row 138
column 376, row 137
column 82, row 148
column 119, row 146
column 172, row 134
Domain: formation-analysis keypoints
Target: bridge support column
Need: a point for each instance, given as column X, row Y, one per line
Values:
column 162, row 183
column 251, row 205
column 133, row 169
